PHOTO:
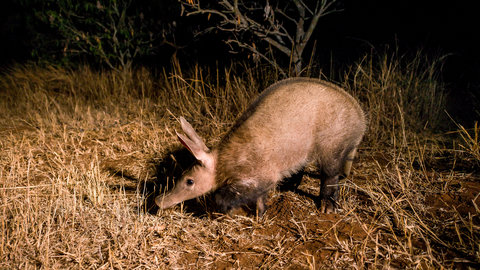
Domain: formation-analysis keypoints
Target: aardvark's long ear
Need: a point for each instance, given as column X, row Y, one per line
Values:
column 193, row 142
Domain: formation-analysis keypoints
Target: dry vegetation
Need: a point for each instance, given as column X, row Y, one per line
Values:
column 83, row 152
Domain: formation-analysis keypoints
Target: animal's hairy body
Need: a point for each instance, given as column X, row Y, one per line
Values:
column 292, row 123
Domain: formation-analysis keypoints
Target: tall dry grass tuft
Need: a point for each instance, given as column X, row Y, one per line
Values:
column 399, row 92
column 470, row 141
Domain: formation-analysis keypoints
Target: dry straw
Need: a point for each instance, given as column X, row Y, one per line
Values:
column 84, row 151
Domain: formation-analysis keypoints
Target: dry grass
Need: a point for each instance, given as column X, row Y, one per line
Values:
column 399, row 92
column 470, row 142
column 83, row 152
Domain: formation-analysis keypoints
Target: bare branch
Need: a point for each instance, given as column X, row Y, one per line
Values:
column 210, row 11
column 237, row 17
column 277, row 45
column 256, row 52
column 301, row 3
column 285, row 15
column 324, row 7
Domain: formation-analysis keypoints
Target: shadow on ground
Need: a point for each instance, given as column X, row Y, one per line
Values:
column 168, row 169
column 175, row 162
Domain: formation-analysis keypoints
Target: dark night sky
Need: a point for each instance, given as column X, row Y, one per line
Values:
column 451, row 24
column 444, row 27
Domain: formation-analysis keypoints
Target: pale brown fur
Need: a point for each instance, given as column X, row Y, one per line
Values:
column 292, row 123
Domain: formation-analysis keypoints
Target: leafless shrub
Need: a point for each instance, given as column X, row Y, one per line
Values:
column 285, row 26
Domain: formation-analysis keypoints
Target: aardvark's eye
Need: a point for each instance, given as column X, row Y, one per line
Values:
column 190, row 182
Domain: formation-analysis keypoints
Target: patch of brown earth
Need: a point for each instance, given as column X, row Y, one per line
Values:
column 294, row 229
